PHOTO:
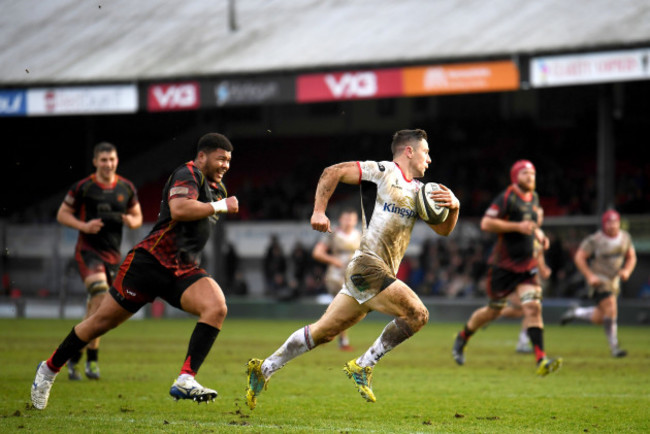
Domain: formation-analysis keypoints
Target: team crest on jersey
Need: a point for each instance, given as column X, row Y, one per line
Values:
column 120, row 198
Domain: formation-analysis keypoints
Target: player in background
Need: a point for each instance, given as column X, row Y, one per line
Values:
column 336, row 249
column 370, row 282
column 613, row 259
column 98, row 207
column 515, row 215
column 166, row 264
column 514, row 310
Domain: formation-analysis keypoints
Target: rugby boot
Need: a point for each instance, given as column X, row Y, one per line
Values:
column 186, row 387
column 256, row 381
column 73, row 371
column 42, row 385
column 547, row 366
column 92, row 370
column 458, row 349
column 362, row 376
column 568, row 316
column 618, row 353
column 524, row 348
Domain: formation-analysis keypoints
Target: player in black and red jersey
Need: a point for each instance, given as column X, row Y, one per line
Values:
column 166, row 264
column 99, row 206
column 515, row 215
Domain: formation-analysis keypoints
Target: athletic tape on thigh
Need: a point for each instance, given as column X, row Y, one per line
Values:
column 97, row 288
column 531, row 295
column 497, row 304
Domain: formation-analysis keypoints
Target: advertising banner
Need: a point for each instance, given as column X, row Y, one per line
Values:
column 162, row 97
column 601, row 67
column 268, row 90
column 461, row 78
column 13, row 102
column 82, row 100
column 349, row 85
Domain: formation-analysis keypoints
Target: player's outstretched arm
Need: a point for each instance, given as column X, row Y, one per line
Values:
column 347, row 173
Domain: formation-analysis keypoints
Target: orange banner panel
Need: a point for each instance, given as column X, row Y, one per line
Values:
column 460, row 78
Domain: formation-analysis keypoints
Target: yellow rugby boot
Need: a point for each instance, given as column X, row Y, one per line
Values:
column 256, row 382
column 362, row 376
column 547, row 366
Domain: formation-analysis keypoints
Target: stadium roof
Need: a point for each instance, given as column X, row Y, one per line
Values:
column 68, row 41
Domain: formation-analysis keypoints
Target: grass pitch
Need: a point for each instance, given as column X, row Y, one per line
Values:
column 418, row 386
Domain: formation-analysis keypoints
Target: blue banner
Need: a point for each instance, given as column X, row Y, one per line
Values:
column 13, row 102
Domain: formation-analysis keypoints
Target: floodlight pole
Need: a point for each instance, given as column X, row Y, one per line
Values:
column 232, row 17
column 606, row 154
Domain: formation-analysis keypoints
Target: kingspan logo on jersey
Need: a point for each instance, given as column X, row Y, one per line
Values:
column 401, row 211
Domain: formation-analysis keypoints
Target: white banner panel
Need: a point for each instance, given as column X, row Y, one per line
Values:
column 82, row 100
column 602, row 67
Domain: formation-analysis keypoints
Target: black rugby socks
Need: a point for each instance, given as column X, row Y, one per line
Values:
column 201, row 342
column 68, row 348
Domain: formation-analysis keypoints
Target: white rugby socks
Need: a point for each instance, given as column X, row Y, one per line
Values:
column 298, row 343
column 396, row 332
column 584, row 313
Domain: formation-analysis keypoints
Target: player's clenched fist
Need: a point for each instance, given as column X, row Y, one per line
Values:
column 320, row 222
column 233, row 204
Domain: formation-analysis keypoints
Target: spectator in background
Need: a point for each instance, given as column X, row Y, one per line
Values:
column 98, row 207
column 275, row 269
column 644, row 291
column 301, row 262
column 613, row 258
column 231, row 266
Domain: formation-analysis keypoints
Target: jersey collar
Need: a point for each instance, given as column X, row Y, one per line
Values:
column 403, row 176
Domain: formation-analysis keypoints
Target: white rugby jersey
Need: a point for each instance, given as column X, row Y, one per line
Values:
column 389, row 231
column 608, row 254
column 342, row 246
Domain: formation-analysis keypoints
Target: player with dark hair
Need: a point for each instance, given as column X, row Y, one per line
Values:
column 336, row 249
column 98, row 207
column 515, row 215
column 166, row 264
column 370, row 282
column 605, row 258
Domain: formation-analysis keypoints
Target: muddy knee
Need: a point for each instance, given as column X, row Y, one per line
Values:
column 418, row 320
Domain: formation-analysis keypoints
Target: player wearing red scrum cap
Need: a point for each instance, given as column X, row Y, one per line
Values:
column 515, row 216
column 605, row 258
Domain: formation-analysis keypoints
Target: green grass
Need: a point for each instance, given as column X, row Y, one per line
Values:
column 418, row 386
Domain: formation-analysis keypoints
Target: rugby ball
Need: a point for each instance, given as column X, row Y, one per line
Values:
column 427, row 208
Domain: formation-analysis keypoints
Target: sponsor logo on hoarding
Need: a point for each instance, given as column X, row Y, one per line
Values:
column 461, row 78
column 241, row 92
column 82, row 100
column 174, row 96
column 349, row 85
column 352, row 85
column 589, row 68
column 13, row 103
